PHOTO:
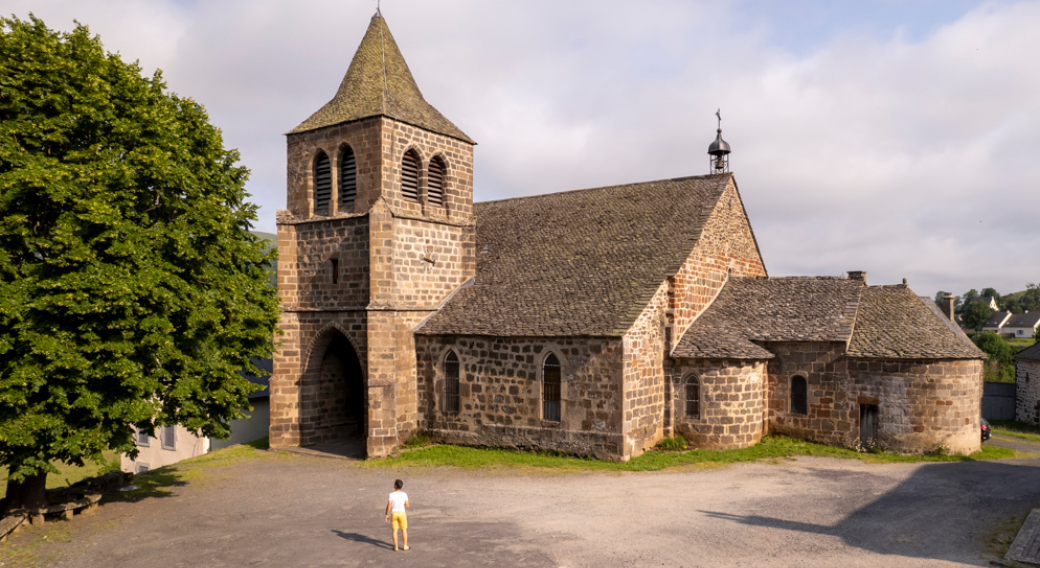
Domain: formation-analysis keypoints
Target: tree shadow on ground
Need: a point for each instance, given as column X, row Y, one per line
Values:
column 157, row 483
column 943, row 511
column 364, row 539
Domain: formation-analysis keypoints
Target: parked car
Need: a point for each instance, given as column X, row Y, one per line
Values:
column 984, row 427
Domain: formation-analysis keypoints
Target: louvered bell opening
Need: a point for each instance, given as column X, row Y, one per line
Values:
column 322, row 185
column 410, row 177
column 348, row 180
column 451, row 383
column 551, row 389
column 435, row 183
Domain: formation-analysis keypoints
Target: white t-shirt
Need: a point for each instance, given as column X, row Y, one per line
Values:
column 397, row 499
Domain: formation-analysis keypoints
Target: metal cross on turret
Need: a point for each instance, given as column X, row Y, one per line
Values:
column 718, row 150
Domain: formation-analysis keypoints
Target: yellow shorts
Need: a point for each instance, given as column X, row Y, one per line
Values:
column 399, row 521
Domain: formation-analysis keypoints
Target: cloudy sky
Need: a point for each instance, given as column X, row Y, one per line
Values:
column 901, row 137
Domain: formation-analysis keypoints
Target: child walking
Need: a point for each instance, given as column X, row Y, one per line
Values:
column 395, row 514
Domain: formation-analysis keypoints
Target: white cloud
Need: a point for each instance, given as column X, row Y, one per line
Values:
column 904, row 157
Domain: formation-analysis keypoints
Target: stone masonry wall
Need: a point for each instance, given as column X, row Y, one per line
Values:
column 922, row 404
column 306, row 251
column 296, row 387
column 726, row 244
column 644, row 376
column 732, row 399
column 501, row 399
column 364, row 137
column 430, row 261
column 398, row 138
column 1027, row 377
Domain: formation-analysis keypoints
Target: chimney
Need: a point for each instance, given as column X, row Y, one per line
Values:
column 947, row 306
column 860, row 275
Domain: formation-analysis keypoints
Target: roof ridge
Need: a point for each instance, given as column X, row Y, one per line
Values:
column 604, row 187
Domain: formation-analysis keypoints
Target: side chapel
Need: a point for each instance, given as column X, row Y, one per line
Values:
column 594, row 322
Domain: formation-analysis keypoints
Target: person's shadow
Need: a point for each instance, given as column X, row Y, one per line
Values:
column 362, row 538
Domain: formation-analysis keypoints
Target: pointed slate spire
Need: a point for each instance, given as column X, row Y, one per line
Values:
column 378, row 83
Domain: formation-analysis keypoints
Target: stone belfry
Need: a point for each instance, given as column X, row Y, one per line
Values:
column 377, row 234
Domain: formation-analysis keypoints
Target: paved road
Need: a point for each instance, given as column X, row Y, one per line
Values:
column 811, row 512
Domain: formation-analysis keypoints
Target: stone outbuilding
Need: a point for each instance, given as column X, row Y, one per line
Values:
column 594, row 322
column 1027, row 381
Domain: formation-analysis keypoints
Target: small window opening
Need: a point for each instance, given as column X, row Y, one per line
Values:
column 551, row 389
column 322, row 184
column 142, row 467
column 693, row 398
column 142, row 438
column 435, row 182
column 168, row 438
column 335, row 270
column 799, row 396
column 347, row 180
column 410, row 176
column 451, row 383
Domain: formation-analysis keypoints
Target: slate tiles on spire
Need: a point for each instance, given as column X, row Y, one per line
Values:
column 577, row 263
column 367, row 91
column 1032, row 353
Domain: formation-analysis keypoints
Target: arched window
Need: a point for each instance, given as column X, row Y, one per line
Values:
column 799, row 396
column 410, row 176
column 435, row 182
column 322, row 184
column 451, row 383
column 693, row 398
column 551, row 389
column 347, row 180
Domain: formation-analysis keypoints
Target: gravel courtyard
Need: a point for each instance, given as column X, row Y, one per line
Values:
column 289, row 510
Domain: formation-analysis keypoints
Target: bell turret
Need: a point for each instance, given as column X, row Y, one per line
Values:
column 718, row 151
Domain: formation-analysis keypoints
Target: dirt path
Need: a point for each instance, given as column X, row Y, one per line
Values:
column 300, row 511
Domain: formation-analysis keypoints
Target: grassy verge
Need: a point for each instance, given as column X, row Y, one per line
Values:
column 69, row 474
column 768, row 448
column 1016, row 429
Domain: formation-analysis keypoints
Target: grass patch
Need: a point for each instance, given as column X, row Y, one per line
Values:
column 416, row 441
column 1015, row 429
column 770, row 448
column 69, row 474
column 1019, row 343
column 673, row 444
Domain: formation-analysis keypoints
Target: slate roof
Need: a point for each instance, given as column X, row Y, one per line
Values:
column 1031, row 353
column 577, row 263
column 874, row 321
column 773, row 309
column 368, row 91
column 894, row 323
column 996, row 319
column 1024, row 320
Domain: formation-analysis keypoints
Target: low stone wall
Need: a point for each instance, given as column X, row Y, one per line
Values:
column 731, row 407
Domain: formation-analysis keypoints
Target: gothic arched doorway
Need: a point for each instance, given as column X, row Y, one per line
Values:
column 339, row 410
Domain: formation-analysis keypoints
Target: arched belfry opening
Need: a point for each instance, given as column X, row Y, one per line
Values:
column 337, row 408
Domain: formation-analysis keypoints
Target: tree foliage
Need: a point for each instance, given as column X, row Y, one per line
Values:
column 976, row 314
column 994, row 346
column 131, row 291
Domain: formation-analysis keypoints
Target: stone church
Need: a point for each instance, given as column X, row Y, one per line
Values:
column 594, row 322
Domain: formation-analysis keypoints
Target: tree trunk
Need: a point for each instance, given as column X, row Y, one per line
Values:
column 27, row 493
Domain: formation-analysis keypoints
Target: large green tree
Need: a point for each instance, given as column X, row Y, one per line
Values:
column 976, row 314
column 131, row 291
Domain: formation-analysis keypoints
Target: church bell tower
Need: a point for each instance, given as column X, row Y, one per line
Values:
column 377, row 233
